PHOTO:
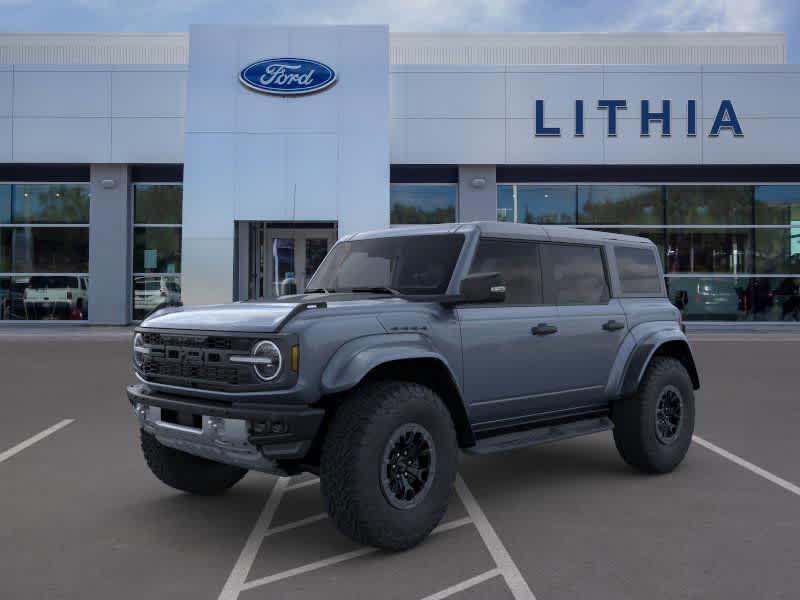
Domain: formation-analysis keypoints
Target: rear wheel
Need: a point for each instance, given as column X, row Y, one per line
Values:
column 653, row 428
column 187, row 472
column 388, row 463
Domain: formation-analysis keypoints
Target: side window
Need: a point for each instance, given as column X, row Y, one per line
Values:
column 518, row 264
column 638, row 271
column 574, row 274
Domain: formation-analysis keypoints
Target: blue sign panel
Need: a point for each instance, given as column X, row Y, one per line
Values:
column 287, row 76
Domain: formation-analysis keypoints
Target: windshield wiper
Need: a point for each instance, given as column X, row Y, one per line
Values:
column 321, row 290
column 378, row 289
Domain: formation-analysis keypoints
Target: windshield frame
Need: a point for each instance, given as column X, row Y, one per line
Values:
column 455, row 268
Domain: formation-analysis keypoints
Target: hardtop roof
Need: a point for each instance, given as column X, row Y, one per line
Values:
column 559, row 233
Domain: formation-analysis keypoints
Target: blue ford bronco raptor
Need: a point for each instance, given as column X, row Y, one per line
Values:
column 408, row 347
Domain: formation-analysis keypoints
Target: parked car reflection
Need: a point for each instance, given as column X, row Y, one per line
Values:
column 152, row 292
column 48, row 297
column 736, row 298
column 705, row 298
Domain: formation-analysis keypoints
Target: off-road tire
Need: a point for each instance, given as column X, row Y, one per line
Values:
column 635, row 419
column 352, row 463
column 186, row 472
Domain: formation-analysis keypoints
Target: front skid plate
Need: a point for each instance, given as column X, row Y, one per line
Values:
column 220, row 440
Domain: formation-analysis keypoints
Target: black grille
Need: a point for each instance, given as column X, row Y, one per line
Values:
column 154, row 368
column 197, row 341
column 196, row 360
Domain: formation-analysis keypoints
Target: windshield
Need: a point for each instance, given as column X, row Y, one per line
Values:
column 410, row 264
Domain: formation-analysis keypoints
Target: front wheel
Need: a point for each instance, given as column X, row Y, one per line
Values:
column 186, row 472
column 388, row 463
column 653, row 428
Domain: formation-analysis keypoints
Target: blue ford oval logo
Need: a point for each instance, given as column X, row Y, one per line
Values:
column 287, row 76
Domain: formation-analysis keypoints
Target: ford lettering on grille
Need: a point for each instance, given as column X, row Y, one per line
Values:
column 287, row 76
column 195, row 360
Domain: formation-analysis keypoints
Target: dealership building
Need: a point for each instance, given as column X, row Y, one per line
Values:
column 144, row 170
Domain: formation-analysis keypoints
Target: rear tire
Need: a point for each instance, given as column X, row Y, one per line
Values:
column 388, row 463
column 653, row 428
column 186, row 472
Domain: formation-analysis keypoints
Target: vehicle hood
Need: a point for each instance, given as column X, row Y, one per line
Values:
column 256, row 317
column 265, row 317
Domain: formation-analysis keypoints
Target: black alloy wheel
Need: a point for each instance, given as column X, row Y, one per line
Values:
column 409, row 466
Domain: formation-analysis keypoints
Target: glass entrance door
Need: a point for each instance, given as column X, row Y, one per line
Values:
column 284, row 259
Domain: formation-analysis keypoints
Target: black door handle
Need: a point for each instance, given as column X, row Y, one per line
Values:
column 613, row 325
column 543, row 329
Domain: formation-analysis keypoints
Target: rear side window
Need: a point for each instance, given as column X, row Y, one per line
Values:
column 574, row 274
column 518, row 264
column 638, row 271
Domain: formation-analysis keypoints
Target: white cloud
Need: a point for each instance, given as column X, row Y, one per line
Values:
column 705, row 15
column 415, row 15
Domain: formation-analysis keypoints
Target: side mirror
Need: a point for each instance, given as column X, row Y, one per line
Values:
column 482, row 287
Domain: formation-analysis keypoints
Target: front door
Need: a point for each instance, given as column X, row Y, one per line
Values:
column 284, row 258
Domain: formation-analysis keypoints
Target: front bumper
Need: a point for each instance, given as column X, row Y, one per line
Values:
column 224, row 432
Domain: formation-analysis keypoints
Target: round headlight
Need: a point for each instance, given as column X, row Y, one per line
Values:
column 268, row 357
column 138, row 350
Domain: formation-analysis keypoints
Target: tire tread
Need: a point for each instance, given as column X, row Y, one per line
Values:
column 186, row 472
column 633, row 419
column 347, row 440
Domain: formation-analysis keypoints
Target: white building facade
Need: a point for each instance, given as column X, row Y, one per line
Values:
column 139, row 171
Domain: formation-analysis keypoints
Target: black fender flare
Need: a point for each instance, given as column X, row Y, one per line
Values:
column 356, row 359
column 670, row 343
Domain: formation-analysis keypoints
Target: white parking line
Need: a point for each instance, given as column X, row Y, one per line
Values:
column 788, row 486
column 339, row 558
column 241, row 568
column 296, row 524
column 464, row 585
column 33, row 439
column 508, row 568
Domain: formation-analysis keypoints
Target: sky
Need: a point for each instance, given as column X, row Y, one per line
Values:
column 414, row 15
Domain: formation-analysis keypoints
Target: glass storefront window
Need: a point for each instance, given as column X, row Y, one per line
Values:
column 710, row 299
column 542, row 204
column 784, row 299
column 709, row 251
column 778, row 250
column 44, row 250
column 5, row 203
column 316, row 250
column 158, row 204
column 620, row 205
column 546, row 205
column 736, row 298
column 157, row 250
column 777, row 205
column 157, row 214
column 152, row 292
column 505, row 204
column 709, row 205
column 44, row 297
column 422, row 203
column 735, row 240
column 44, row 204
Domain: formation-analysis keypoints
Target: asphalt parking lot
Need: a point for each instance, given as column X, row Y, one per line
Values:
column 82, row 517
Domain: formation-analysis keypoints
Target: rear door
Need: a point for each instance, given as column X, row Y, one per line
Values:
column 591, row 322
column 509, row 371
